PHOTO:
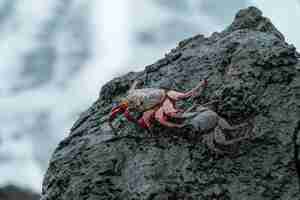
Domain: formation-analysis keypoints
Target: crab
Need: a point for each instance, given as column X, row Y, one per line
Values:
column 215, row 128
column 155, row 104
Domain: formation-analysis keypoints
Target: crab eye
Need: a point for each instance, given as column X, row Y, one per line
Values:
column 114, row 104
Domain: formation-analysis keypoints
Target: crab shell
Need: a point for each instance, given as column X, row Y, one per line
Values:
column 145, row 99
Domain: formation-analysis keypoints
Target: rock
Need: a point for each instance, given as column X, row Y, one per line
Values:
column 253, row 74
column 11, row 192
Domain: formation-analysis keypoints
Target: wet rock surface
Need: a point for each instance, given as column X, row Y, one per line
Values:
column 11, row 192
column 253, row 75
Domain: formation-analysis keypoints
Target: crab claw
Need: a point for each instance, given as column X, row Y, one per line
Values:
column 121, row 108
column 143, row 124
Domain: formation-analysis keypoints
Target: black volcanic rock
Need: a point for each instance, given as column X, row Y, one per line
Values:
column 11, row 192
column 253, row 75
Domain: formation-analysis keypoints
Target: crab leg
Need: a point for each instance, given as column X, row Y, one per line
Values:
column 233, row 141
column 170, row 110
column 179, row 95
column 159, row 116
column 224, row 125
column 145, row 120
column 129, row 117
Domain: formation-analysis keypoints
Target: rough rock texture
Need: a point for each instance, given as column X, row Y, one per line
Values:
column 11, row 192
column 253, row 74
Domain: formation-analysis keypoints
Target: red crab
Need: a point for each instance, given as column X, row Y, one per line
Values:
column 156, row 104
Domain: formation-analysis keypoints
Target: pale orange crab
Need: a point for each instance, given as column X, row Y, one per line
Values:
column 155, row 104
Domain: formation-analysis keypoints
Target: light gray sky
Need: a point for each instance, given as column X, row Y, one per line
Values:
column 285, row 15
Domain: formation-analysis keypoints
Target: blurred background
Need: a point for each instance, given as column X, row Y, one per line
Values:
column 56, row 54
